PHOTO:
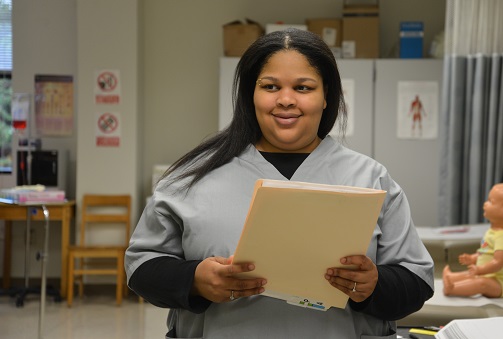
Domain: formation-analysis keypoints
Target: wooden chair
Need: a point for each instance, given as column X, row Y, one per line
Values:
column 100, row 210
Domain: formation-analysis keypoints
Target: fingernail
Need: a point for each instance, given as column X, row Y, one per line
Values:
column 343, row 260
column 251, row 267
column 261, row 290
column 330, row 272
column 264, row 282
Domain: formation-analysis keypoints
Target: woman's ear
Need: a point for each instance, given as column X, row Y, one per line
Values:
column 325, row 90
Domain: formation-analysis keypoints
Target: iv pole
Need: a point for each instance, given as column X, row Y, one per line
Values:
column 22, row 109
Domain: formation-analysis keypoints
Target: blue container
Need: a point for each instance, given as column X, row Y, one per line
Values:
column 411, row 39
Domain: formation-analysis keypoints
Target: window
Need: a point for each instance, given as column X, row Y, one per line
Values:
column 5, row 86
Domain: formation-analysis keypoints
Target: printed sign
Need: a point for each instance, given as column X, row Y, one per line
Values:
column 107, row 87
column 54, row 105
column 108, row 129
column 348, row 89
column 417, row 109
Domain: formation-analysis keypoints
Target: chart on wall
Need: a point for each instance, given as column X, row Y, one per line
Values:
column 54, row 105
column 417, row 110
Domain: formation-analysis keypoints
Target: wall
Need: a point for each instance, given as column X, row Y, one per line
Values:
column 175, row 46
column 108, row 39
column 44, row 42
column 183, row 44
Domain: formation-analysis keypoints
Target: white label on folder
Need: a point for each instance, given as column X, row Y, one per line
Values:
column 306, row 303
column 297, row 301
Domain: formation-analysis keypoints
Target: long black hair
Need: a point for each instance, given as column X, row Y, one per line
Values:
column 244, row 128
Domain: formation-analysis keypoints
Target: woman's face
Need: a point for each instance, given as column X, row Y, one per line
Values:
column 289, row 101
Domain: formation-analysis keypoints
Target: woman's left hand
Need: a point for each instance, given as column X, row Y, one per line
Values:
column 359, row 282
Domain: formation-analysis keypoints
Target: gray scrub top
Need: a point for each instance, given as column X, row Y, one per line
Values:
column 207, row 221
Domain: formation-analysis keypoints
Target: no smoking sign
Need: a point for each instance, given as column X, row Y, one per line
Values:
column 107, row 123
column 107, row 88
column 107, row 81
column 108, row 129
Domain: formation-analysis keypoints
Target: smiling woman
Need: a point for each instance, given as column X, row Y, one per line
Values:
column 289, row 102
column 288, row 96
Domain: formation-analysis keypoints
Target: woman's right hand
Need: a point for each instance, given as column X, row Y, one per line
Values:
column 215, row 280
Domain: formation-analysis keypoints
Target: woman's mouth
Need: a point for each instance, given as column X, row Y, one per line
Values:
column 286, row 118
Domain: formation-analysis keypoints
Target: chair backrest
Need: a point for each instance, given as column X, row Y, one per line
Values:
column 105, row 209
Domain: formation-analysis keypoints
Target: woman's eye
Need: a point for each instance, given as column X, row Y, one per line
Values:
column 270, row 87
column 303, row 88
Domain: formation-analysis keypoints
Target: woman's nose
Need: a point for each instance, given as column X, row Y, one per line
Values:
column 286, row 98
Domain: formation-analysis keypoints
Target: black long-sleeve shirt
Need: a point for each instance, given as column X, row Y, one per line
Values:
column 167, row 282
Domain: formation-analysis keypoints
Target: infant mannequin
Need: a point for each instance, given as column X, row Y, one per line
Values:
column 485, row 267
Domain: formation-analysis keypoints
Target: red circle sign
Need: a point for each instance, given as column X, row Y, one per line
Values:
column 107, row 123
column 107, row 81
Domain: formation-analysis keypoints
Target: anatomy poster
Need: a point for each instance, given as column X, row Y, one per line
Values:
column 54, row 105
column 417, row 110
column 348, row 89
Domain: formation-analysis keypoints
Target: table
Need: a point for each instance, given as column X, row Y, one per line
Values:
column 446, row 243
column 63, row 212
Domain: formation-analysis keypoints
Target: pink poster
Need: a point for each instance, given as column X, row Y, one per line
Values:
column 54, row 105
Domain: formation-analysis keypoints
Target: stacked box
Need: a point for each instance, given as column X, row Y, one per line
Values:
column 29, row 196
column 330, row 29
column 360, row 31
column 411, row 39
column 238, row 36
column 269, row 28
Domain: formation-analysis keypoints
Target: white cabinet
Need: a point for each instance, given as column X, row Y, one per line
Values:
column 359, row 72
column 359, row 75
column 413, row 163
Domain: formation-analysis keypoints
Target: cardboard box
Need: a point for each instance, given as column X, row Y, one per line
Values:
column 280, row 27
column 360, row 31
column 329, row 29
column 411, row 39
column 238, row 36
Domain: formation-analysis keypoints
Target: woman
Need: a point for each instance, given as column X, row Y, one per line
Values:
column 287, row 94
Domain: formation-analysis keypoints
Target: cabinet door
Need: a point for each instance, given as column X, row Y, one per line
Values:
column 357, row 73
column 412, row 161
column 357, row 82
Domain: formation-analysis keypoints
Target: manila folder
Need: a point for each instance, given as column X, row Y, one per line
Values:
column 295, row 231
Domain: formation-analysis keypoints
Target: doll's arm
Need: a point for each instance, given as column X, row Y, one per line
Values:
column 468, row 259
column 492, row 266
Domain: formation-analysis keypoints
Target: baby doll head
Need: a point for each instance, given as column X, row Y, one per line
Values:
column 493, row 207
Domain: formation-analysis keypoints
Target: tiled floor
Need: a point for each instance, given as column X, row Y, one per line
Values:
column 93, row 317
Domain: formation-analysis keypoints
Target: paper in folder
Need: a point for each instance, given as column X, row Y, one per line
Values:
column 294, row 231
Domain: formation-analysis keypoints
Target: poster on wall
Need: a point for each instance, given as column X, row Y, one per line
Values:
column 54, row 105
column 108, row 129
column 417, row 110
column 348, row 89
column 107, row 87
